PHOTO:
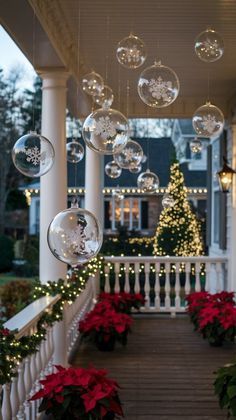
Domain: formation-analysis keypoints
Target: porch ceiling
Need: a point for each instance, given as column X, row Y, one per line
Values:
column 171, row 24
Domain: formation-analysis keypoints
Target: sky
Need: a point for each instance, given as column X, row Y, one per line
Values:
column 11, row 56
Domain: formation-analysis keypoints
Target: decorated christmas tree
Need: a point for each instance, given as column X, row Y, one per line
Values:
column 178, row 232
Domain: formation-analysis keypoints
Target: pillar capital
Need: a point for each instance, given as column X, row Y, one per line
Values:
column 53, row 77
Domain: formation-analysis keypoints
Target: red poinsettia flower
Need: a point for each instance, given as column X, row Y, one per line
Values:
column 5, row 332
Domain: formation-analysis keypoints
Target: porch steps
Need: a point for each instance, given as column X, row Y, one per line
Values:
column 166, row 370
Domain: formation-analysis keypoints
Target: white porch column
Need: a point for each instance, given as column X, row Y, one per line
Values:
column 232, row 245
column 53, row 185
column 94, row 182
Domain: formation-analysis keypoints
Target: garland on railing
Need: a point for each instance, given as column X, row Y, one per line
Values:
column 13, row 350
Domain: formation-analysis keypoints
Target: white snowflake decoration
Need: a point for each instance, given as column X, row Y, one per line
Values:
column 148, row 182
column 105, row 128
column 160, row 89
column 34, row 155
column 75, row 239
column 211, row 48
column 132, row 54
column 209, row 123
column 129, row 154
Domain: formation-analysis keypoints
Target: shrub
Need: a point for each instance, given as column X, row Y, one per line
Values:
column 7, row 253
column 225, row 388
column 15, row 295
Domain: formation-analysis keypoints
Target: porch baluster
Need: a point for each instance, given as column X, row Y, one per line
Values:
column 21, row 391
column 167, row 286
column 147, row 285
column 107, row 286
column 197, row 276
column 117, row 278
column 6, row 402
column 136, row 281
column 157, row 287
column 14, row 397
column 177, row 286
column 219, row 277
column 127, row 285
column 187, row 279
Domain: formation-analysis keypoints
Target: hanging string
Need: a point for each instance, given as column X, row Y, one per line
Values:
column 75, row 198
column 33, row 62
column 127, row 100
column 208, row 85
column 148, row 151
column 107, row 54
column 119, row 91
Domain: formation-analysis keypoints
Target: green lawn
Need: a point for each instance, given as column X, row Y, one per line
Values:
column 6, row 278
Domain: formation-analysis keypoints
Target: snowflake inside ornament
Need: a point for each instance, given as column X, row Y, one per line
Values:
column 117, row 194
column 74, row 236
column 105, row 98
column 135, row 169
column 113, row 170
column 148, row 181
column 208, row 120
column 168, row 200
column 131, row 52
column 209, row 46
column 195, row 145
column 130, row 156
column 158, row 86
column 74, row 151
column 92, row 84
column 106, row 131
column 33, row 155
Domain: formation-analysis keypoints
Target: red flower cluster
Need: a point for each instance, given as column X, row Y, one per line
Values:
column 213, row 315
column 104, row 320
column 79, row 393
column 4, row 332
column 123, row 302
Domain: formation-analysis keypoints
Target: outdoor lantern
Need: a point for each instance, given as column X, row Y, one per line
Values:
column 225, row 177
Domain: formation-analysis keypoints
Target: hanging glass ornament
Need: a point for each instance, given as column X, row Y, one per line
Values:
column 74, row 151
column 33, row 155
column 113, row 170
column 135, row 169
column 148, row 181
column 92, row 84
column 74, row 236
column 117, row 194
column 195, row 145
column 130, row 156
column 209, row 46
column 131, row 52
column 208, row 120
column 144, row 159
column 168, row 200
column 158, row 86
column 106, row 131
column 105, row 98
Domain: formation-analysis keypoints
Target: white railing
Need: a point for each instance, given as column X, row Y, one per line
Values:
column 54, row 349
column 165, row 281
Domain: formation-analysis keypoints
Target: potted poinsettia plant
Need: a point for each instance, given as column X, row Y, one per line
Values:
column 78, row 393
column 123, row 302
column 104, row 326
column 196, row 301
column 225, row 388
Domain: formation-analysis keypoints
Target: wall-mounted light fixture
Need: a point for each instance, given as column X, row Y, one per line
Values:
column 226, row 177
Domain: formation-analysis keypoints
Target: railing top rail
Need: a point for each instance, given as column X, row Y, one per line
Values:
column 152, row 259
column 28, row 317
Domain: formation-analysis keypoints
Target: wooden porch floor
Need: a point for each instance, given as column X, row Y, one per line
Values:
column 166, row 370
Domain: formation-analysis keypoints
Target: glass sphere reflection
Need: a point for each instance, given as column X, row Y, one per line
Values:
column 33, row 155
column 74, row 236
column 148, row 181
column 168, row 200
column 209, row 46
column 144, row 159
column 106, row 131
column 195, row 145
column 117, row 194
column 92, row 84
column 208, row 120
column 130, row 156
column 135, row 169
column 113, row 170
column 74, row 151
column 105, row 98
column 131, row 52
column 158, row 86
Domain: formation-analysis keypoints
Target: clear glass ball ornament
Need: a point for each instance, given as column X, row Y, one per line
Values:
column 92, row 83
column 148, row 181
column 195, row 145
column 33, row 155
column 106, row 131
column 130, row 156
column 158, row 86
column 168, row 200
column 131, row 52
column 117, row 194
column 209, row 46
column 144, row 159
column 74, row 151
column 135, row 169
column 105, row 98
column 113, row 170
column 74, row 236
column 208, row 120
